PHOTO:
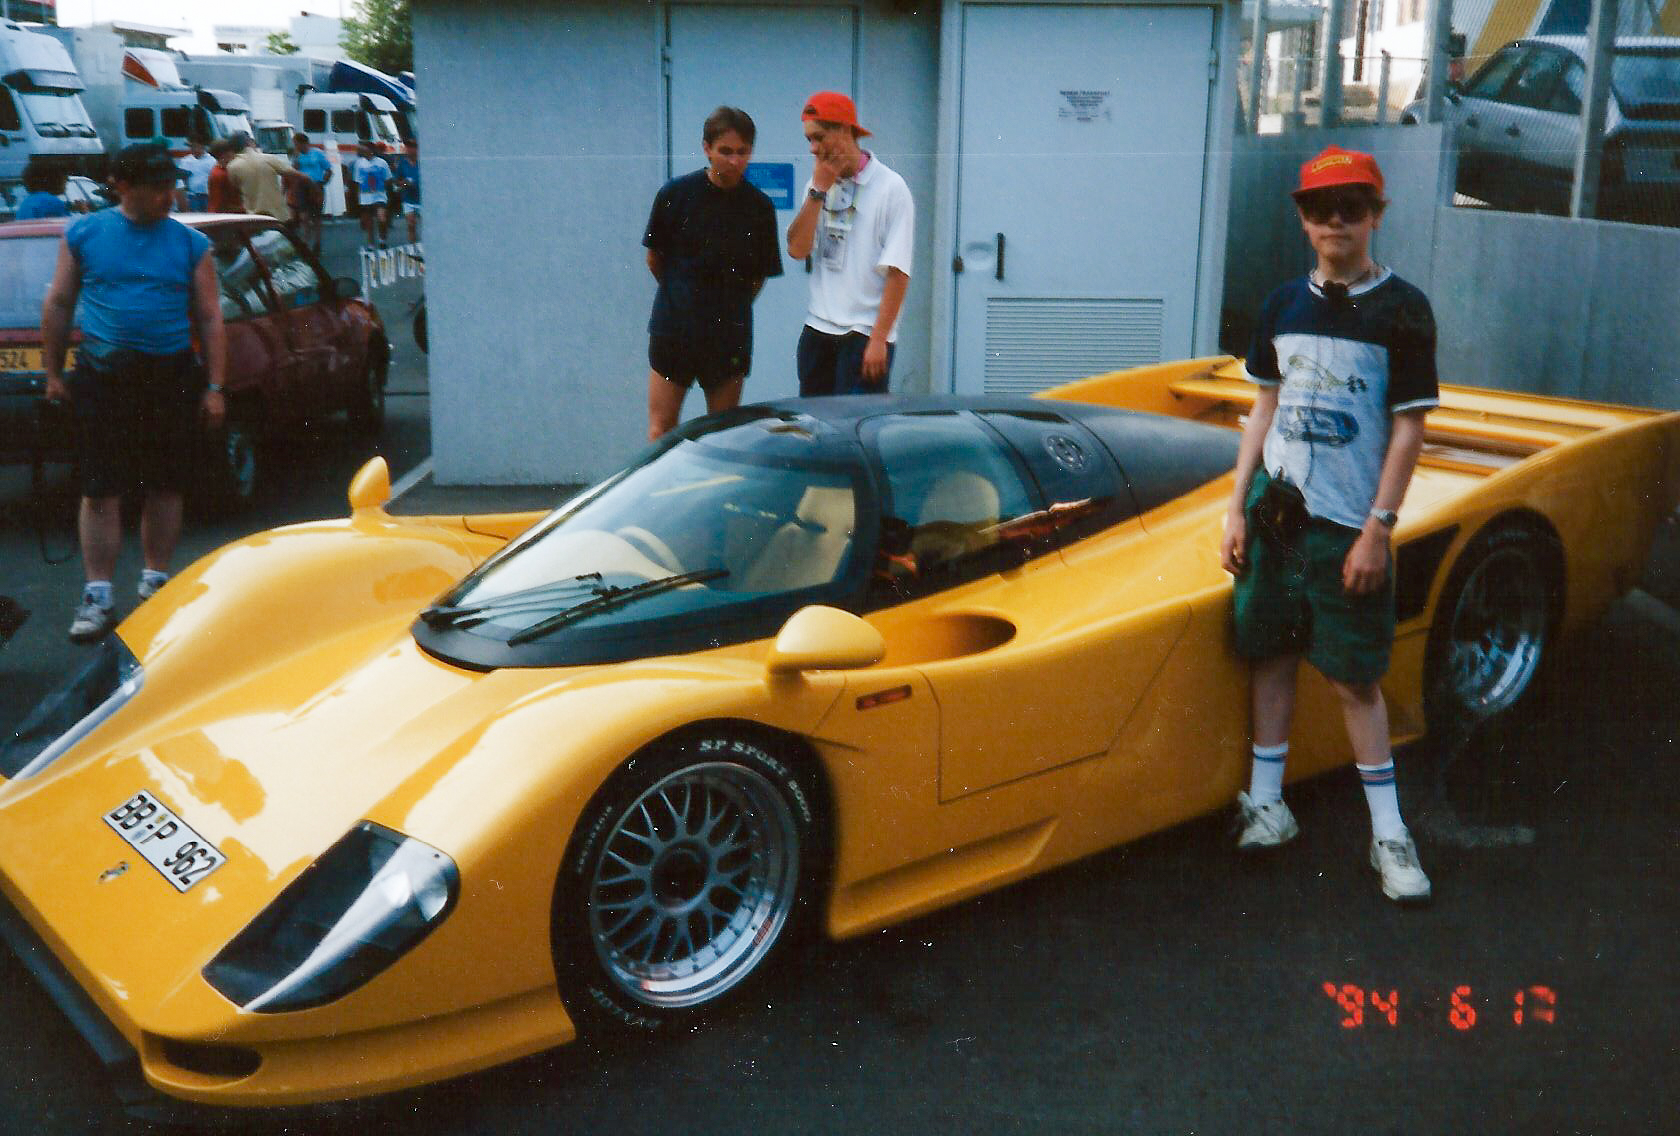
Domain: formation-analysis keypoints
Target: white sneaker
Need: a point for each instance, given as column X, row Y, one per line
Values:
column 1264, row 826
column 149, row 586
column 91, row 622
column 1402, row 876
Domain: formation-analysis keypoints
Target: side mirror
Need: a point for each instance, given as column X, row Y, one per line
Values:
column 346, row 287
column 371, row 487
column 819, row 638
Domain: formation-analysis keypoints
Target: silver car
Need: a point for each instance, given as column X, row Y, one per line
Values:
column 1517, row 121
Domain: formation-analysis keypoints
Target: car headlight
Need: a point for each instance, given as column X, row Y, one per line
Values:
column 71, row 712
column 369, row 899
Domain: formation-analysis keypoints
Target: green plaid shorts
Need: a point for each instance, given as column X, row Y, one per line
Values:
column 1290, row 601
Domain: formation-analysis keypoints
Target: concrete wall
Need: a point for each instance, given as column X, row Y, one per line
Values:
column 544, row 147
column 1585, row 309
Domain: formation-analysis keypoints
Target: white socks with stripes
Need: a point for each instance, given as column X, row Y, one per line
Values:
column 1265, row 784
column 1383, row 799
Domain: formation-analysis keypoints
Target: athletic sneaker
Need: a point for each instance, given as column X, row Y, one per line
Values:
column 1264, row 826
column 91, row 622
column 1402, row 876
column 150, row 582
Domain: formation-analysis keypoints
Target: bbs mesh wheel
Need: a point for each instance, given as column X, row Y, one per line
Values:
column 695, row 865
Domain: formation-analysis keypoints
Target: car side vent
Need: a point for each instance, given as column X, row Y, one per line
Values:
column 1033, row 343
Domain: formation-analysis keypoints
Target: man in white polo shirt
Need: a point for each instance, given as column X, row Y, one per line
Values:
column 858, row 223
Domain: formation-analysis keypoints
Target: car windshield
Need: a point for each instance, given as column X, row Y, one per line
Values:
column 1647, row 80
column 26, row 268
column 721, row 521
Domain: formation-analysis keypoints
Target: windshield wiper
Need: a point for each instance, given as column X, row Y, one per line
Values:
column 609, row 598
column 445, row 616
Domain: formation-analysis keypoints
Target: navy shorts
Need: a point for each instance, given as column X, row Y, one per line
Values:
column 684, row 363
column 137, row 421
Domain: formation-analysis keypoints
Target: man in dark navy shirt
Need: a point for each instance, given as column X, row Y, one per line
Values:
column 1345, row 362
column 711, row 243
column 146, row 283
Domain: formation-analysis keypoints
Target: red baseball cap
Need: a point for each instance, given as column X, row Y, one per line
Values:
column 1334, row 167
column 832, row 106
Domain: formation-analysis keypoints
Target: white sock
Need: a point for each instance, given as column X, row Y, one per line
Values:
column 1383, row 800
column 97, row 592
column 1265, row 783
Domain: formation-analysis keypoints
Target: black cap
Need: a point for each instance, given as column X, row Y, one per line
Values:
column 145, row 163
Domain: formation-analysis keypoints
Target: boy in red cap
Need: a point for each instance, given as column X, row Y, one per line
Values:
column 858, row 217
column 1345, row 361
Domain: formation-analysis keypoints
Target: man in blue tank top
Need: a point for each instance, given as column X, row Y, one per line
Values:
column 146, row 282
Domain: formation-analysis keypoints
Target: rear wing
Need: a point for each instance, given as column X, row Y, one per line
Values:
column 1474, row 429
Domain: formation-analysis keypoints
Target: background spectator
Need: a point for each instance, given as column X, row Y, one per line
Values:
column 372, row 178
column 306, row 200
column 196, row 164
column 407, row 182
column 263, row 179
column 45, row 183
column 224, row 194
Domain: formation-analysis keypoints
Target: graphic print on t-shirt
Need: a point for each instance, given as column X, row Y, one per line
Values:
column 1342, row 370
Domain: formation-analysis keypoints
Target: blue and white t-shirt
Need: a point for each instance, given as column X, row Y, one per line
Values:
column 1342, row 370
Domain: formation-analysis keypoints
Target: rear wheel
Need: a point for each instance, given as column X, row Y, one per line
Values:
column 1493, row 626
column 367, row 402
column 693, row 867
column 233, row 470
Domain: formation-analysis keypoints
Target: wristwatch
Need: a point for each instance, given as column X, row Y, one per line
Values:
column 816, row 194
column 1388, row 517
column 215, row 388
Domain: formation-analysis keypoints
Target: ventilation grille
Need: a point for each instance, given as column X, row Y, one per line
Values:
column 1032, row 344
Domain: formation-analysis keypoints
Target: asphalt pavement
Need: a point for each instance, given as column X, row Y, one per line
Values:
column 1166, row 986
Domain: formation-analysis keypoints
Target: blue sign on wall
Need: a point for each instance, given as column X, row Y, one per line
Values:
column 775, row 179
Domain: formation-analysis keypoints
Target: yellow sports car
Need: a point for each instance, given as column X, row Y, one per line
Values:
column 359, row 804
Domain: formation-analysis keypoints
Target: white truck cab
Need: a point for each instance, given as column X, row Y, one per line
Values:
column 41, row 111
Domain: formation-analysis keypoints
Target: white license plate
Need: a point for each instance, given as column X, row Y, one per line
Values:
column 166, row 841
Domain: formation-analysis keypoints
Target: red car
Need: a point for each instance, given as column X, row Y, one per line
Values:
column 300, row 345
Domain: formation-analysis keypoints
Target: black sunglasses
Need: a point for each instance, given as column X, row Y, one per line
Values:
column 1350, row 207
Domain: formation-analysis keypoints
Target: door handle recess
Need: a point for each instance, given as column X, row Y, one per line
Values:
column 1000, row 256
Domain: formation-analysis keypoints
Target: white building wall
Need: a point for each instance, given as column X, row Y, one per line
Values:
column 544, row 148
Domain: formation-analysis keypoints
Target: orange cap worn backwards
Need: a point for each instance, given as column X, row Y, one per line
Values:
column 1336, row 167
column 832, row 106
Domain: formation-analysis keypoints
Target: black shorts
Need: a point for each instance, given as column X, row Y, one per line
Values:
column 136, row 419
column 370, row 208
column 684, row 363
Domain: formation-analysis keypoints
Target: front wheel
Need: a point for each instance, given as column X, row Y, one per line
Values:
column 1493, row 626
column 692, row 866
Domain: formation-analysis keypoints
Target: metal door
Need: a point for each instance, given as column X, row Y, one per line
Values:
column 1083, row 146
column 767, row 60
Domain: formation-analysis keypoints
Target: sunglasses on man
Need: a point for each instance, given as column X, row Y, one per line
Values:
column 1318, row 208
